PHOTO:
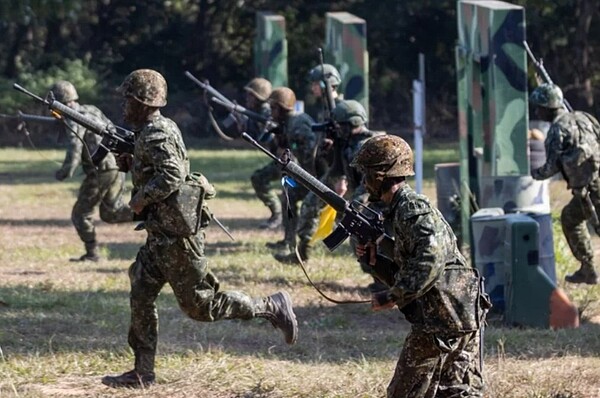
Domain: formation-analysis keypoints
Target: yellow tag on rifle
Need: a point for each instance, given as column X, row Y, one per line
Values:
column 326, row 223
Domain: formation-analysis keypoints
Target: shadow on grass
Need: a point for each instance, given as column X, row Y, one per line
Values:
column 43, row 321
column 46, row 222
column 122, row 250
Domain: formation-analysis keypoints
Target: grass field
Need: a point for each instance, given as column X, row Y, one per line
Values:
column 63, row 325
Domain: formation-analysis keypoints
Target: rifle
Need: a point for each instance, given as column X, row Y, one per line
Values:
column 365, row 224
column 26, row 117
column 543, row 73
column 112, row 141
column 588, row 207
column 329, row 100
column 268, row 123
column 589, row 211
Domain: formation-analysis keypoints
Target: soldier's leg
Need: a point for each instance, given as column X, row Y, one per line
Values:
column 594, row 188
column 437, row 366
column 576, row 232
column 293, row 201
column 460, row 374
column 197, row 291
column 417, row 370
column 261, row 182
column 310, row 213
column 146, row 282
column 82, row 215
column 113, row 208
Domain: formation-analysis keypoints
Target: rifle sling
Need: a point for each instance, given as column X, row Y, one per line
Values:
column 23, row 127
column 320, row 291
column 215, row 125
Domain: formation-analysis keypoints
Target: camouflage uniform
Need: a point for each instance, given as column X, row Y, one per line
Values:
column 573, row 149
column 319, row 75
column 435, row 289
column 235, row 124
column 575, row 128
column 312, row 205
column 102, row 187
column 160, row 167
column 349, row 140
column 439, row 295
column 299, row 138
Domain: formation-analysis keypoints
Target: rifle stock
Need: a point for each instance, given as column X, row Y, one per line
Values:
column 111, row 140
column 354, row 222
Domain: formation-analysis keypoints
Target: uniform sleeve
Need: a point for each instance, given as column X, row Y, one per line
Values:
column 424, row 264
column 75, row 134
column 303, row 139
column 553, row 147
column 167, row 164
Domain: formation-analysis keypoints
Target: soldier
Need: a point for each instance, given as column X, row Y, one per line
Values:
column 319, row 77
column 102, row 186
column 572, row 149
column 159, row 167
column 295, row 135
column 351, row 119
column 435, row 288
column 258, row 91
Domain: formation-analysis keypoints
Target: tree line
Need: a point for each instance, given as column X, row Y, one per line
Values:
column 95, row 43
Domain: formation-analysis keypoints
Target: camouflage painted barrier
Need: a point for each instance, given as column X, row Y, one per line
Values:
column 270, row 49
column 492, row 94
column 346, row 49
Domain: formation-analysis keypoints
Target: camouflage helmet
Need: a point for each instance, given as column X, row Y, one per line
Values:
column 147, row 86
column 260, row 88
column 64, row 91
column 331, row 74
column 350, row 111
column 548, row 96
column 385, row 156
column 284, row 97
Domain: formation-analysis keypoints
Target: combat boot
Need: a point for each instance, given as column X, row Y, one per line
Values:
column 131, row 379
column 91, row 252
column 376, row 287
column 290, row 257
column 279, row 311
column 585, row 274
column 279, row 245
column 273, row 222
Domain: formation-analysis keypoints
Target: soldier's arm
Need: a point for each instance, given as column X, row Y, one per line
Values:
column 419, row 271
column 75, row 134
column 168, row 168
column 303, row 138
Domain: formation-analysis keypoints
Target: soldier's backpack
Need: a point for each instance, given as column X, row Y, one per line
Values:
column 580, row 157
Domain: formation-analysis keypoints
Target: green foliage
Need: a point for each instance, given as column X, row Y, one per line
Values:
column 38, row 82
column 214, row 39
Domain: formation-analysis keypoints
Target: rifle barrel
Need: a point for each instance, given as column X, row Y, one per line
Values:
column 305, row 179
column 209, row 88
column 29, row 93
column 232, row 107
column 262, row 148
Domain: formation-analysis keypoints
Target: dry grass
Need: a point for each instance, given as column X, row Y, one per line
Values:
column 63, row 325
